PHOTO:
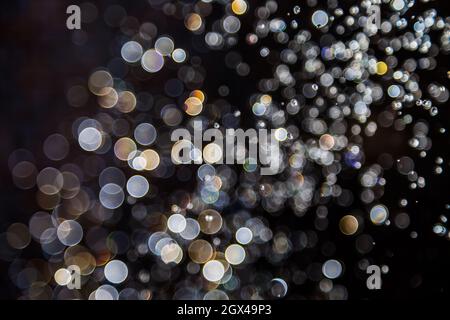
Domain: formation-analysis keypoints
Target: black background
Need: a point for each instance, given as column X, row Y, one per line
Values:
column 38, row 62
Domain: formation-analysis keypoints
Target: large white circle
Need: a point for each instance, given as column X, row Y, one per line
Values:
column 244, row 235
column 319, row 18
column 69, row 232
column 152, row 61
column 235, row 254
column 90, row 139
column 192, row 229
column 137, row 186
column 131, row 51
column 213, row 270
column 111, row 196
column 116, row 271
column 332, row 269
column 176, row 223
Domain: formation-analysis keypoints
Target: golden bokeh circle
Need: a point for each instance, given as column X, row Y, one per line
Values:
column 348, row 225
column 200, row 251
column 210, row 221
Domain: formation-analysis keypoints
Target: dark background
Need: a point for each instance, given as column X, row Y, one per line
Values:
column 39, row 61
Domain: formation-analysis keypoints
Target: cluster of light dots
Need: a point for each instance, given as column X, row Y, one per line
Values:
column 321, row 101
